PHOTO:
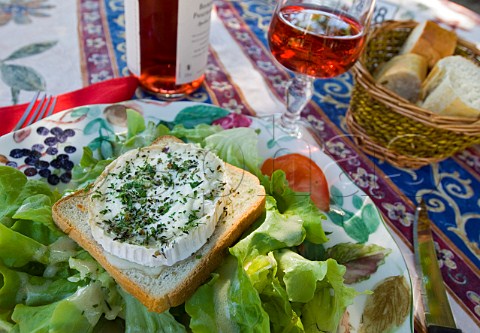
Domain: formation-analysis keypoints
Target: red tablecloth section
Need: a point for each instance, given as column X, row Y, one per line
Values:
column 110, row 91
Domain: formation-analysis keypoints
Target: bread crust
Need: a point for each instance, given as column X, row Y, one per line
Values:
column 403, row 74
column 71, row 216
column 430, row 40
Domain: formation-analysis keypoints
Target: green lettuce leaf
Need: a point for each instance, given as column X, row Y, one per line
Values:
column 61, row 316
column 276, row 232
column 317, row 284
column 17, row 250
column 11, row 185
column 282, row 316
column 332, row 296
column 37, row 208
column 10, row 287
column 244, row 304
column 89, row 168
column 198, row 134
column 261, row 270
column 77, row 313
column 292, row 203
column 227, row 303
column 14, row 190
column 36, row 231
column 20, row 287
column 6, row 324
column 300, row 275
column 203, row 307
column 312, row 220
column 139, row 140
column 139, row 320
column 135, row 123
column 277, row 187
column 237, row 146
column 90, row 272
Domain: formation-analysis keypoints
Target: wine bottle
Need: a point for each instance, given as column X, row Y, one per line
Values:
column 167, row 44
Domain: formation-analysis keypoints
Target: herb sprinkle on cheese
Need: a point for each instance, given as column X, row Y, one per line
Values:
column 159, row 202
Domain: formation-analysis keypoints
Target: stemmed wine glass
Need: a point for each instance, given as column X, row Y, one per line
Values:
column 315, row 39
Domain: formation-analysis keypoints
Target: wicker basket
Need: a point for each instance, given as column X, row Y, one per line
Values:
column 391, row 128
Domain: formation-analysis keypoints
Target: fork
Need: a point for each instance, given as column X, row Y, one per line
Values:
column 36, row 111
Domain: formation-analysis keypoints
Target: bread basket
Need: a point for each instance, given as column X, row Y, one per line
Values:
column 391, row 128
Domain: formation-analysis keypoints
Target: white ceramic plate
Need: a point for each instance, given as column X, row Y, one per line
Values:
column 49, row 148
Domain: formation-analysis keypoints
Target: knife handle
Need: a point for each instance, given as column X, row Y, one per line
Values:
column 442, row 329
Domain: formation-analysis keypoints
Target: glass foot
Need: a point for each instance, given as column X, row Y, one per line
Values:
column 300, row 129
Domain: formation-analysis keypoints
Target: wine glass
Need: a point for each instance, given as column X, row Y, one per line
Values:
column 315, row 39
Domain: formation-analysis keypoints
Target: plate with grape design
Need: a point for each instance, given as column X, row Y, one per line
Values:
column 359, row 239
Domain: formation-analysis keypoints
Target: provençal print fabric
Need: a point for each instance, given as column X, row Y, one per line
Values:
column 62, row 45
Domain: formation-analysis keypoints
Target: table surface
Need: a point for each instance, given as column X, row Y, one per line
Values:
column 80, row 42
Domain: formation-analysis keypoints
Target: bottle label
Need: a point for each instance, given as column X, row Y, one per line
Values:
column 132, row 36
column 193, row 37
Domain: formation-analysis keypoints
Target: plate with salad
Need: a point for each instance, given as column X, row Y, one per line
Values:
column 341, row 271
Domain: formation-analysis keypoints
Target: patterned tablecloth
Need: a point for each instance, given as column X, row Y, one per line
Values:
column 69, row 44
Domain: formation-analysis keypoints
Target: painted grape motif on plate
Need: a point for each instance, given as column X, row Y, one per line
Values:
column 49, row 159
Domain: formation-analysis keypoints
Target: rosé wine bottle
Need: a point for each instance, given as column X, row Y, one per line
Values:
column 167, row 44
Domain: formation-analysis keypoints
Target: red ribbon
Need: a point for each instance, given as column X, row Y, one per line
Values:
column 110, row 91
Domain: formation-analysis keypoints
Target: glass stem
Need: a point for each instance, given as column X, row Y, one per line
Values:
column 299, row 93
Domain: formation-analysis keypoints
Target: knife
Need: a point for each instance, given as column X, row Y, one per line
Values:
column 438, row 315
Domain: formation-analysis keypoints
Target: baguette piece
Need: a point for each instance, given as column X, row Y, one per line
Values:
column 403, row 74
column 452, row 88
column 431, row 41
column 161, row 288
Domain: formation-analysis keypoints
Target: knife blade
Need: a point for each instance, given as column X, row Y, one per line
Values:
column 438, row 315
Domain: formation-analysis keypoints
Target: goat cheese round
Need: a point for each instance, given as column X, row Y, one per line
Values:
column 159, row 204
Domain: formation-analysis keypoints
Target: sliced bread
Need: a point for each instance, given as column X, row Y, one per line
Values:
column 452, row 88
column 403, row 75
column 166, row 286
column 430, row 40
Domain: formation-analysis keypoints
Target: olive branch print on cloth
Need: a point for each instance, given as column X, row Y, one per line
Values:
column 19, row 77
column 20, row 11
column 16, row 76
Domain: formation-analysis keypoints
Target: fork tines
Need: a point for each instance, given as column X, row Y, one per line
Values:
column 37, row 109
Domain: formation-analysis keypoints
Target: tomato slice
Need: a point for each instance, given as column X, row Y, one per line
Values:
column 303, row 175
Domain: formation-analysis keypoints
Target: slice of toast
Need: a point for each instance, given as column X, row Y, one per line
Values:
column 159, row 289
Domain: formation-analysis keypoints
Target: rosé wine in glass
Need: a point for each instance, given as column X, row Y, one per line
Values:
column 315, row 39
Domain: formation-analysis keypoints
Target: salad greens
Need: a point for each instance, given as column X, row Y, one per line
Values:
column 138, row 320
column 49, row 284
column 235, row 147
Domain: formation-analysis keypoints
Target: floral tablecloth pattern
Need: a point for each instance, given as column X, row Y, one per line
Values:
column 62, row 45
